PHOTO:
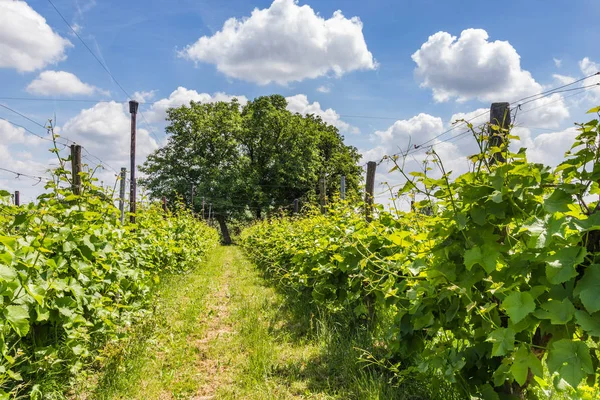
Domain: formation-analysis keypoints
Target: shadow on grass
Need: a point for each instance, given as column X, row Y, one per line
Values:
column 337, row 370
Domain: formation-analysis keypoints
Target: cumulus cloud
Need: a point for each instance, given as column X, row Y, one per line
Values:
column 588, row 66
column 17, row 135
column 182, row 96
column 144, row 96
column 57, row 83
column 27, row 42
column 324, row 89
column 563, row 79
column 415, row 130
column 548, row 148
column 471, row 67
column 300, row 104
column 14, row 157
column 104, row 131
column 403, row 135
column 285, row 43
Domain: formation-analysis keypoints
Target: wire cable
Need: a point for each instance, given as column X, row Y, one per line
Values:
column 88, row 48
column 24, row 116
column 33, row 133
column 550, row 91
column 103, row 67
column 62, row 100
column 102, row 162
column 21, row 174
column 516, row 108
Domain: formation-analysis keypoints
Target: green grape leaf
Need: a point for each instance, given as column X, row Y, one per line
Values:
column 558, row 312
column 523, row 361
column 589, row 323
column 486, row 256
column 571, row 360
column 18, row 318
column 472, row 256
column 478, row 215
column 561, row 266
column 588, row 288
column 7, row 274
column 337, row 257
column 503, row 340
column 518, row 305
column 558, row 201
column 8, row 242
column 488, row 393
column 594, row 110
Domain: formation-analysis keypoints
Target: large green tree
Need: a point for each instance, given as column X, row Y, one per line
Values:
column 247, row 161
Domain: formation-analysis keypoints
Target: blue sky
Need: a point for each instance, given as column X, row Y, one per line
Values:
column 359, row 67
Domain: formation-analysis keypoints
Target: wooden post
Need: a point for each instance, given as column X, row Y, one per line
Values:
column 343, row 188
column 76, row 168
column 323, row 194
column 499, row 116
column 17, row 198
column 209, row 211
column 296, row 206
column 133, row 109
column 123, row 177
column 164, row 204
column 369, row 189
column 203, row 215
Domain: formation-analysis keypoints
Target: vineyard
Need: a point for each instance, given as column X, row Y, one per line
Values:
column 491, row 282
column 74, row 280
column 486, row 288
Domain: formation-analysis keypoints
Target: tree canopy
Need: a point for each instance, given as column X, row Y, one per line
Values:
column 250, row 160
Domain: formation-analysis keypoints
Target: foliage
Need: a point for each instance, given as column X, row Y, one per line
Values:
column 497, row 291
column 251, row 159
column 72, row 277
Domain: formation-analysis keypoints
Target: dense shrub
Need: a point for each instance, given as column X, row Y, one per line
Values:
column 497, row 291
column 73, row 277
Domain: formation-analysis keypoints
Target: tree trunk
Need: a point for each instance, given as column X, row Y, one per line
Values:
column 224, row 229
column 258, row 212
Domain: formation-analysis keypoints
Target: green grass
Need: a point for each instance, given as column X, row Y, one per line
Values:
column 223, row 332
column 157, row 361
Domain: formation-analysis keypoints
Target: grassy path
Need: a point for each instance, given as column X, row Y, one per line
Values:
column 222, row 332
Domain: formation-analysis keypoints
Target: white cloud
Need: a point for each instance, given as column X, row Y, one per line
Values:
column 27, row 42
column 182, row 96
column 324, row 89
column 402, row 137
column 563, row 79
column 14, row 157
column 550, row 148
column 471, row 67
column 104, row 131
column 477, row 117
column 144, row 96
column 589, row 67
column 547, row 148
column 56, row 83
column 284, row 43
column 557, row 62
column 300, row 104
column 413, row 131
column 16, row 135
